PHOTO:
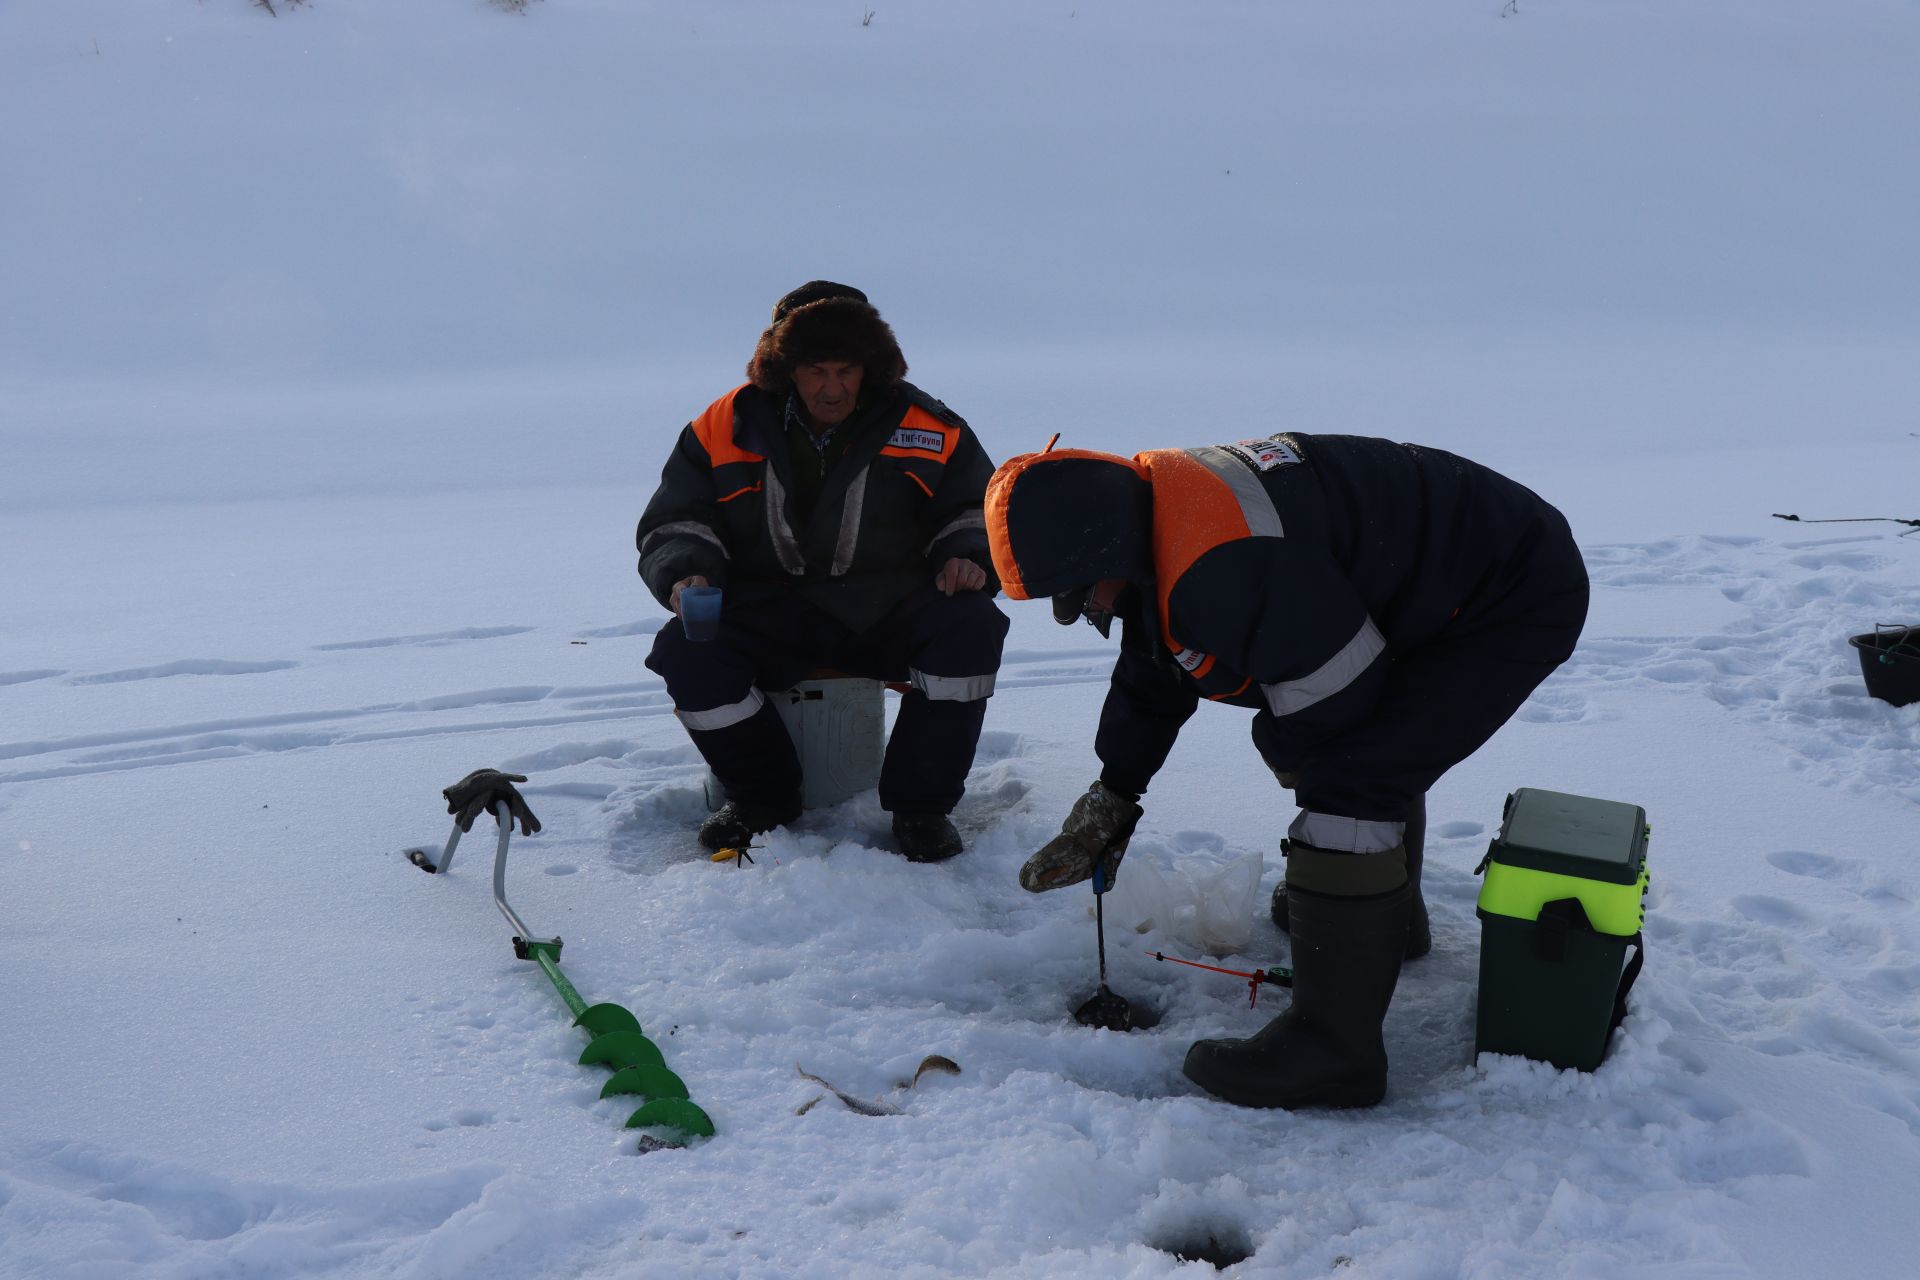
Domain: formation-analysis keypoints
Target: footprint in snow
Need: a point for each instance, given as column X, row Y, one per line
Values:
column 185, row 667
column 644, row 627
column 22, row 677
column 1777, row 912
column 431, row 638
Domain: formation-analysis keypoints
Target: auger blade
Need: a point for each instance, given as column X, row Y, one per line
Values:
column 619, row 1049
column 673, row 1113
column 601, row 1018
column 648, row 1082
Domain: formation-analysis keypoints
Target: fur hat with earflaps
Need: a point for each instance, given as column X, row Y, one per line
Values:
column 823, row 321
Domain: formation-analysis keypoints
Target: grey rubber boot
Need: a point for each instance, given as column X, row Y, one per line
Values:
column 1326, row 1050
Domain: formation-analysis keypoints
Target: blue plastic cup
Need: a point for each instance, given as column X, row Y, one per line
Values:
column 700, row 612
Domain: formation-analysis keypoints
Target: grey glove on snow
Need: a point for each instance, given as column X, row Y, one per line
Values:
column 1095, row 834
column 480, row 790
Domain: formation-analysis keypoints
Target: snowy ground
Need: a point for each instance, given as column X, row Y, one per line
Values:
column 341, row 353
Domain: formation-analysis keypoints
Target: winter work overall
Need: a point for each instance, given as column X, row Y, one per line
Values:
column 835, row 576
column 1381, row 608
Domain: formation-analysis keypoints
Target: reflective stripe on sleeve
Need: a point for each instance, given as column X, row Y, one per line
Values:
column 721, row 717
column 1346, row 835
column 952, row 688
column 965, row 520
column 686, row 528
column 1339, row 671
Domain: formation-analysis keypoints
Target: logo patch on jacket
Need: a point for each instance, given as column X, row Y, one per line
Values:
column 1264, row 455
column 1189, row 659
column 919, row 440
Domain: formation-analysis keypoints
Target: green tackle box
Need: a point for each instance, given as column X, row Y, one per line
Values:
column 1560, row 908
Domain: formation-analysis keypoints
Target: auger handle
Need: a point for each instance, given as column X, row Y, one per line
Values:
column 523, row 936
column 418, row 857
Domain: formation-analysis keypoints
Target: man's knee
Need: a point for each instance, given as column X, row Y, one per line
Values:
column 671, row 652
column 697, row 675
column 966, row 628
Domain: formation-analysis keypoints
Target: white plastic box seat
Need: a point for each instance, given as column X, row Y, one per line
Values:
column 839, row 729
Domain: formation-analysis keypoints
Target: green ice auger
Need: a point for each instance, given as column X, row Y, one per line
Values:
column 615, row 1038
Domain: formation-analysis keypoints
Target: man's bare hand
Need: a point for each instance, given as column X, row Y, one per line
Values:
column 959, row 574
column 673, row 600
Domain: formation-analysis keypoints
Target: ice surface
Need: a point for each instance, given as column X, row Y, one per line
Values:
column 342, row 349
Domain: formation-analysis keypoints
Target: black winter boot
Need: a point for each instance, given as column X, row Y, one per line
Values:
column 925, row 837
column 736, row 822
column 1326, row 1049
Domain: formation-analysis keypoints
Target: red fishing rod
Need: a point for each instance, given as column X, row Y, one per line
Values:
column 1275, row 977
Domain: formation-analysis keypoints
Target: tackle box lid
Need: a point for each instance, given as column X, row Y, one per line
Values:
column 1572, row 836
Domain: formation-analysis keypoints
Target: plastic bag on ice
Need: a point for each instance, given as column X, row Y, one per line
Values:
column 1210, row 908
column 1224, row 902
column 1140, row 899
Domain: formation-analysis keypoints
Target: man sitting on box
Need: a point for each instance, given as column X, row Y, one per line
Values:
column 839, row 506
column 1382, row 608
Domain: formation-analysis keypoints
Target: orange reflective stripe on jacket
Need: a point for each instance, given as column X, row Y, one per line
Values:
column 714, row 430
column 1200, row 501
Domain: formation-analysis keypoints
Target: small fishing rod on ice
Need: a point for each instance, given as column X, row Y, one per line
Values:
column 1274, row 977
column 1854, row 520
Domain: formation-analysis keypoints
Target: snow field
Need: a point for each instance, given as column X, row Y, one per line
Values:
column 341, row 351
column 337, row 974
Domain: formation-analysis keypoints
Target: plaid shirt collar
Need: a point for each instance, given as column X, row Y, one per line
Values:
column 797, row 418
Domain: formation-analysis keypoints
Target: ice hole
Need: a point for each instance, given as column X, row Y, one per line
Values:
column 1221, row 1244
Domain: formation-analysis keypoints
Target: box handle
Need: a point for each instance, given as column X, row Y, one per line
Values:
column 1561, row 917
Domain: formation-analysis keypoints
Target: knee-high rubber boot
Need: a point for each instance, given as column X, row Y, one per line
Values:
column 1326, row 1050
column 1419, row 930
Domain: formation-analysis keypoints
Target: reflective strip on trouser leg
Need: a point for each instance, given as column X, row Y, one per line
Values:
column 952, row 688
column 722, row 717
column 1346, row 835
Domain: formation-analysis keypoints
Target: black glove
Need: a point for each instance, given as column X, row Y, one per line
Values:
column 1094, row 837
column 480, row 790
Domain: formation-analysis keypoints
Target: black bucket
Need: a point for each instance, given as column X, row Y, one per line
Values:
column 1890, row 661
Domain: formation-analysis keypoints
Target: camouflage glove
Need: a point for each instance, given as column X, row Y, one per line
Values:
column 480, row 790
column 1095, row 834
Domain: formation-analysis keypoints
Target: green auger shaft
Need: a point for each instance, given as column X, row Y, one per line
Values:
column 542, row 954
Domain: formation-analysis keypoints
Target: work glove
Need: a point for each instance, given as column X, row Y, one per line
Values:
column 480, row 790
column 1093, row 838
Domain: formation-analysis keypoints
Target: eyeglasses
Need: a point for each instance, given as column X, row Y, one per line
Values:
column 1070, row 606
